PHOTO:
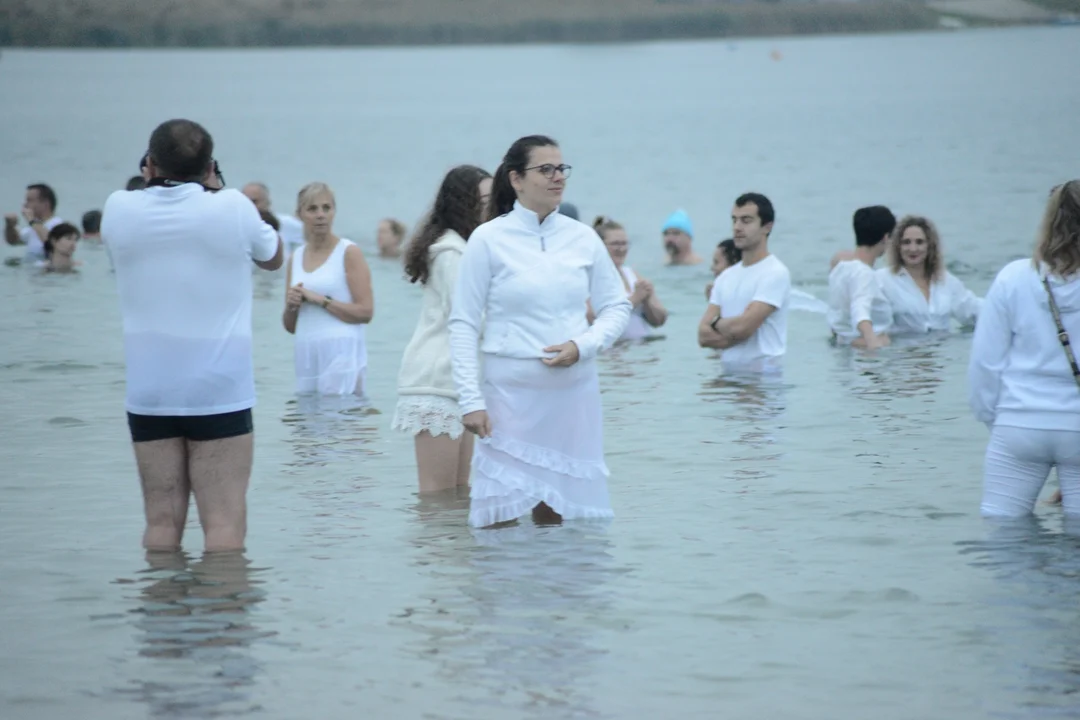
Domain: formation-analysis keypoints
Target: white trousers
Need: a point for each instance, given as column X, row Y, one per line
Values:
column 1018, row 462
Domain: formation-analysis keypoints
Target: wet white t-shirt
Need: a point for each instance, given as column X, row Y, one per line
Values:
column 766, row 281
column 182, row 258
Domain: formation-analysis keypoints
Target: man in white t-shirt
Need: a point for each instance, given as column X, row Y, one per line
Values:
column 39, row 211
column 182, row 254
column 291, row 228
column 859, row 314
column 747, row 313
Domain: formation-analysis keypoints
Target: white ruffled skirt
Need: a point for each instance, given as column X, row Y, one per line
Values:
column 547, row 443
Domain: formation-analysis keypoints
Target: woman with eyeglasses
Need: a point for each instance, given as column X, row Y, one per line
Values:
column 1023, row 378
column 525, row 278
column 648, row 312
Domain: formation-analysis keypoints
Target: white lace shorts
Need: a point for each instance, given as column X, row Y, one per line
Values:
column 437, row 414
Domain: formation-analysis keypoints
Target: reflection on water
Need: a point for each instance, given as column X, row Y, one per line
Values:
column 515, row 612
column 328, row 428
column 752, row 405
column 196, row 619
column 1037, row 576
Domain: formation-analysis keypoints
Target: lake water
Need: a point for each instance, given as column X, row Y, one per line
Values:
column 809, row 548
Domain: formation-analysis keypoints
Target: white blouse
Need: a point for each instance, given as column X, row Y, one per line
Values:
column 526, row 283
column 913, row 313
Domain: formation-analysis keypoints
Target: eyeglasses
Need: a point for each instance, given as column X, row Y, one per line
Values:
column 548, row 170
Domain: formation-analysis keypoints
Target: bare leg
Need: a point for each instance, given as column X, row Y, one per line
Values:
column 465, row 452
column 220, row 471
column 437, row 461
column 166, row 487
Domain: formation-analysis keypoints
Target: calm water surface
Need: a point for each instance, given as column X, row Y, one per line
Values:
column 804, row 548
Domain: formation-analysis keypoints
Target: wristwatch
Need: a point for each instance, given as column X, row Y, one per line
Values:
column 326, row 301
column 713, row 323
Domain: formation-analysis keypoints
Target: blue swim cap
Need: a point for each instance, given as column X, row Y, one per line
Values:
column 679, row 220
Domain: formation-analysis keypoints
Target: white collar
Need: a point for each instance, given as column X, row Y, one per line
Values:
column 530, row 219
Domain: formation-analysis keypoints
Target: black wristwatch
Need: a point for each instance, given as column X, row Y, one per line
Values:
column 713, row 323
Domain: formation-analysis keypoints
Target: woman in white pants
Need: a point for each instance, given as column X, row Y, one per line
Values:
column 1024, row 382
column 527, row 274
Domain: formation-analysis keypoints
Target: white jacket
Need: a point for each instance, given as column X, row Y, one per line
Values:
column 532, row 280
column 1018, row 375
column 425, row 366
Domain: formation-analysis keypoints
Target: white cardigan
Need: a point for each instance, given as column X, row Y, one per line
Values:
column 532, row 280
column 425, row 366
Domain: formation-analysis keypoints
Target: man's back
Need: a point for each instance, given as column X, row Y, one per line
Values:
column 182, row 258
column 855, row 296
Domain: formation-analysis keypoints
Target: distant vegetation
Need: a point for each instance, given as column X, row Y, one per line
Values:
column 240, row 23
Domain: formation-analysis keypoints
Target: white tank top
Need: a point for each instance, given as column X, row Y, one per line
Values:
column 327, row 279
column 638, row 327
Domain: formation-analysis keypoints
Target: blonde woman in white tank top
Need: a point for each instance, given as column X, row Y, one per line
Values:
column 328, row 301
column 648, row 313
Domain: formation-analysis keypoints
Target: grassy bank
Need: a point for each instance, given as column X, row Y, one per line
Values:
column 276, row 23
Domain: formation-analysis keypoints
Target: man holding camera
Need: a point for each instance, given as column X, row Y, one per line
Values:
column 182, row 251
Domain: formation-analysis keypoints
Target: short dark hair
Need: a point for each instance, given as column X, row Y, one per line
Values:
column 182, row 149
column 91, row 221
column 270, row 219
column 59, row 231
column 872, row 225
column 135, row 182
column 765, row 209
column 46, row 192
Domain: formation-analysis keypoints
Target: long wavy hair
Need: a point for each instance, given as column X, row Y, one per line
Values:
column 516, row 159
column 934, row 263
column 457, row 207
column 1058, row 242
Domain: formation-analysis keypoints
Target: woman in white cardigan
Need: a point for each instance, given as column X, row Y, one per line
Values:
column 526, row 275
column 427, row 405
column 1024, row 382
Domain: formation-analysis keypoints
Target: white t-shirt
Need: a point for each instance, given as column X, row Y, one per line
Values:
column 182, row 258
column 854, row 296
column 766, row 281
column 35, row 248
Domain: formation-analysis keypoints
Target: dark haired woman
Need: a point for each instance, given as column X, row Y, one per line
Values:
column 428, row 402
column 526, row 275
column 60, row 247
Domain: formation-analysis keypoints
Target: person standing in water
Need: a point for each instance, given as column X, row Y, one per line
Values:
column 328, row 301
column 427, row 405
column 525, row 277
column 724, row 256
column 648, row 312
column 182, row 251
column 1023, row 375
column 923, row 295
column 859, row 314
column 60, row 248
column 746, row 316
column 678, row 237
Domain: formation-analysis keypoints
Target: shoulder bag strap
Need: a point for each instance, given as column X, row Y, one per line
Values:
column 1063, row 336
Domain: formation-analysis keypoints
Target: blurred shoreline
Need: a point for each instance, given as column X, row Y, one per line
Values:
column 306, row 23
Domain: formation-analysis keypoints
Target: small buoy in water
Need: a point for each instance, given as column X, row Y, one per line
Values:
column 776, row 55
